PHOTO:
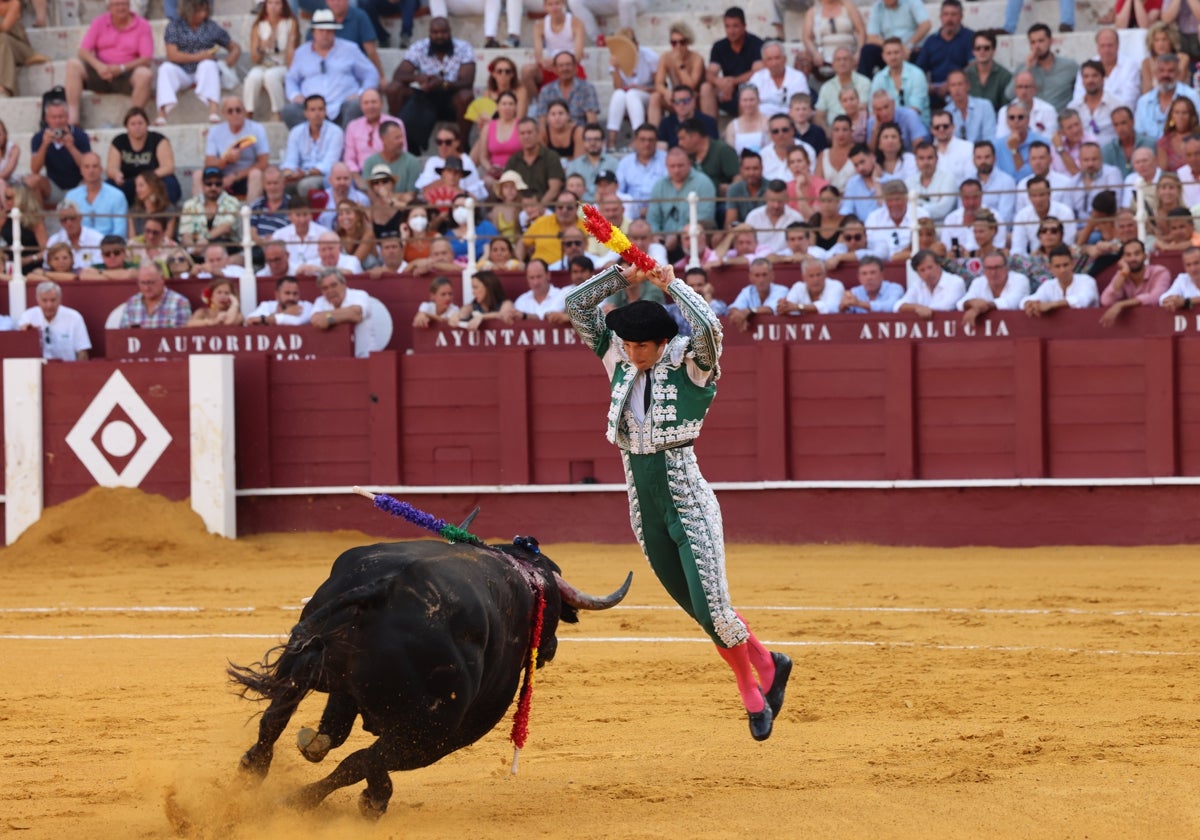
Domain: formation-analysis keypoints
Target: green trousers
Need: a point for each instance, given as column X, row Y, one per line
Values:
column 677, row 521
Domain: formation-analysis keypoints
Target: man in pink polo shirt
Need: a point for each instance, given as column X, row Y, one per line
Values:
column 115, row 56
column 362, row 133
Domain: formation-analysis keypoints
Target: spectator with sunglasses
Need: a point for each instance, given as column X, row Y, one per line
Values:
column 1043, row 118
column 115, row 262
column 988, row 79
column 683, row 108
column 782, row 136
column 851, row 245
column 84, row 241
column 211, row 216
column 974, row 117
column 955, row 155
column 1041, row 207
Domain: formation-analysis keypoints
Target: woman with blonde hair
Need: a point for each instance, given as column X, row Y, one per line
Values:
column 681, row 66
column 1162, row 38
column 60, row 266
column 502, row 78
column 632, row 86
column 354, row 228
column 749, row 128
column 179, row 264
column 33, row 224
column 274, row 36
column 221, row 306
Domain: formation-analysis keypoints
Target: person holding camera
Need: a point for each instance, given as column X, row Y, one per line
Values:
column 58, row 148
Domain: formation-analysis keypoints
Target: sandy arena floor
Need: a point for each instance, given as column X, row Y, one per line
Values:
column 965, row 693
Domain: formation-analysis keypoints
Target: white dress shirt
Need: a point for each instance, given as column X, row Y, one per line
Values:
column 830, row 301
column 1025, row 225
column 1080, row 294
column 1043, row 120
column 953, row 228
column 555, row 301
column 1183, row 285
column 772, row 235
column 271, row 307
column 958, row 158
column 885, row 237
column 943, row 297
column 1015, row 290
column 773, row 98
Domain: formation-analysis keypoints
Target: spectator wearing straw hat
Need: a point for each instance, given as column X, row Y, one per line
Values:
column 330, row 67
column 404, row 166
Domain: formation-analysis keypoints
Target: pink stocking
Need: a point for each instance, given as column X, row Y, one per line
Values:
column 738, row 658
column 761, row 659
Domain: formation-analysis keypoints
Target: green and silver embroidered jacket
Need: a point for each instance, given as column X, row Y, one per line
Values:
column 683, row 381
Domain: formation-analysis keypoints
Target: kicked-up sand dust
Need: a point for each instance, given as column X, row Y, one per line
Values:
column 937, row 693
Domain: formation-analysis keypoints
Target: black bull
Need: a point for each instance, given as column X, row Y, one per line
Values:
column 425, row 640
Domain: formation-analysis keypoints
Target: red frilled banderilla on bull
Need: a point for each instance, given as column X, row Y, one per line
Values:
column 426, row 641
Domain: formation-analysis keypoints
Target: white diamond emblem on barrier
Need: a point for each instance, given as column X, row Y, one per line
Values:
column 115, row 435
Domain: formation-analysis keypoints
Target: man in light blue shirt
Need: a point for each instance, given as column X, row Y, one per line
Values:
column 102, row 206
column 873, row 293
column 974, row 118
column 862, row 190
column 759, row 298
column 999, row 188
column 336, row 70
column 1150, row 115
column 641, row 169
column 313, row 147
column 903, row 19
column 904, row 82
column 883, row 110
column 1012, row 156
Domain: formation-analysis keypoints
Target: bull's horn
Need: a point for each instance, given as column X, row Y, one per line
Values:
column 466, row 523
column 583, row 601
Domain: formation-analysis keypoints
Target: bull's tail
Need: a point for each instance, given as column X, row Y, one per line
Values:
column 288, row 669
column 295, row 668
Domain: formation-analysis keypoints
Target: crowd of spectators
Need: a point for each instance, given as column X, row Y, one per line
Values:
column 881, row 125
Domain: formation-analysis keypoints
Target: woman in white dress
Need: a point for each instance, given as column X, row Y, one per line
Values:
column 274, row 37
column 748, row 129
column 588, row 10
column 631, row 91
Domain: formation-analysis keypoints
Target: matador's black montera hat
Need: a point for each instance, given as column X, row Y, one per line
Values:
column 642, row 320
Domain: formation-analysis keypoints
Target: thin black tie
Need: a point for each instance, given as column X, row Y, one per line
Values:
column 646, row 395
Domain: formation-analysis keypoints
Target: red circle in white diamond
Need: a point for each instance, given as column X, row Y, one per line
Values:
column 118, row 438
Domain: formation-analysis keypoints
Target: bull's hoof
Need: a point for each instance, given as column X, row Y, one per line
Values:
column 254, row 765
column 370, row 808
column 314, row 747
